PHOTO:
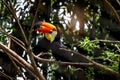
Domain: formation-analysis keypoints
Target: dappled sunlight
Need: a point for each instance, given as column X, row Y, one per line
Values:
column 59, row 39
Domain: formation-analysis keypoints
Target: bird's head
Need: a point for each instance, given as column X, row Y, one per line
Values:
column 48, row 29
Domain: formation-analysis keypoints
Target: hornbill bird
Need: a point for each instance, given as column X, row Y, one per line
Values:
column 51, row 41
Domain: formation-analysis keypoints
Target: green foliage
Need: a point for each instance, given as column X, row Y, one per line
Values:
column 89, row 45
column 96, row 21
column 90, row 73
column 107, row 57
column 110, row 59
column 51, row 71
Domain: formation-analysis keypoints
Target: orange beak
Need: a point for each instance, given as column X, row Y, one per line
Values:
column 46, row 27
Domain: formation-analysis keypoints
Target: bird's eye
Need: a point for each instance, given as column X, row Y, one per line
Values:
column 54, row 29
column 50, row 31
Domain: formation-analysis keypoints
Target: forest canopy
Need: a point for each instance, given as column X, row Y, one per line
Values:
column 87, row 46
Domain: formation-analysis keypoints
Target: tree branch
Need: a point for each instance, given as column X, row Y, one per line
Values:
column 97, row 65
column 107, row 41
column 16, row 40
column 19, row 59
column 14, row 63
column 114, row 11
column 40, row 76
column 118, row 2
column 11, row 9
column 5, row 76
column 63, row 63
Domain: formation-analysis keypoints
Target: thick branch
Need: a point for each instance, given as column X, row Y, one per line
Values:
column 63, row 63
column 17, row 58
column 97, row 65
column 40, row 76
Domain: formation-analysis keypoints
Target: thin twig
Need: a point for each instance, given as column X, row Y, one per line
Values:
column 11, row 9
column 108, row 41
column 16, row 40
column 5, row 76
column 15, row 16
column 118, row 2
column 106, row 59
column 114, row 11
column 43, row 54
column 33, row 22
column 118, row 48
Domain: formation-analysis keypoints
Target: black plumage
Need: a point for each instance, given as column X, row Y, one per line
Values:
column 57, row 49
column 60, row 54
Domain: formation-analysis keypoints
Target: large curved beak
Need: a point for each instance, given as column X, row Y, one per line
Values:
column 48, row 25
column 48, row 29
column 45, row 27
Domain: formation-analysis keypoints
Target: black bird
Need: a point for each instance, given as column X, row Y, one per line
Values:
column 51, row 40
